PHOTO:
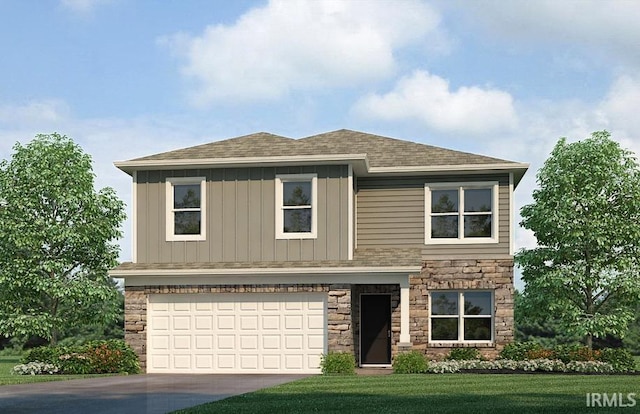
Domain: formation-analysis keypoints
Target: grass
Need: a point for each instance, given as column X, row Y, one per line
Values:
column 444, row 393
column 637, row 358
column 7, row 378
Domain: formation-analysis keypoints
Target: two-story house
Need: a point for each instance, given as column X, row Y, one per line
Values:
column 261, row 253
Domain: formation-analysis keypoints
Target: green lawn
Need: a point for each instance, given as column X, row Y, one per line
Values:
column 6, row 378
column 447, row 393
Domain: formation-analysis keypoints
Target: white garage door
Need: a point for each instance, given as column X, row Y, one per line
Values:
column 236, row 333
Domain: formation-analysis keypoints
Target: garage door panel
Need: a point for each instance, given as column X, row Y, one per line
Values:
column 226, row 322
column 271, row 342
column 204, row 362
column 271, row 322
column 226, row 341
column 182, row 342
column 236, row 333
column 181, row 323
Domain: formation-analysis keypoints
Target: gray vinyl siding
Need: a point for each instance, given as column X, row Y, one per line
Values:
column 240, row 221
column 391, row 213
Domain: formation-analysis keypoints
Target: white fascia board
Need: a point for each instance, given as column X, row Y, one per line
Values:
column 359, row 161
column 518, row 169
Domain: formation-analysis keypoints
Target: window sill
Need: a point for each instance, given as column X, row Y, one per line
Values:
column 430, row 242
column 466, row 344
column 295, row 236
column 186, row 238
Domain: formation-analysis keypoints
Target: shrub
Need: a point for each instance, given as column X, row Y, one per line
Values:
column 568, row 353
column 517, row 351
column 541, row 353
column 112, row 356
column 97, row 357
column 41, row 354
column 35, row 368
column 338, row 363
column 412, row 362
column 464, row 354
column 620, row 359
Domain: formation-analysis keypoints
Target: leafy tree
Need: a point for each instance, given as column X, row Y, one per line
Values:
column 586, row 218
column 56, row 241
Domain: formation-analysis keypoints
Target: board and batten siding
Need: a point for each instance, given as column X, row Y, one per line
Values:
column 240, row 221
column 391, row 214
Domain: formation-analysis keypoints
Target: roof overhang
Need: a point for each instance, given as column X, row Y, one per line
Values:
column 252, row 276
column 359, row 162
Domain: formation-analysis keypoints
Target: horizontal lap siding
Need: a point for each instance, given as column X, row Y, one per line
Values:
column 391, row 213
column 390, row 216
column 241, row 217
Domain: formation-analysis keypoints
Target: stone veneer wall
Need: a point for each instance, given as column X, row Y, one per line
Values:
column 340, row 337
column 394, row 291
column 490, row 274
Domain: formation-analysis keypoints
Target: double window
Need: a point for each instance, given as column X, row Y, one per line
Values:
column 296, row 206
column 461, row 213
column 461, row 316
column 186, row 218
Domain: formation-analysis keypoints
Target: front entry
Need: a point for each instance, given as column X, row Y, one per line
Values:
column 375, row 329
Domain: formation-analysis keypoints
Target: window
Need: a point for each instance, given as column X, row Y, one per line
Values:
column 464, row 213
column 186, row 216
column 296, row 206
column 465, row 316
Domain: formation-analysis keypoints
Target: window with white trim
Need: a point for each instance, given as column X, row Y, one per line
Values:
column 186, row 213
column 461, row 316
column 461, row 213
column 296, row 206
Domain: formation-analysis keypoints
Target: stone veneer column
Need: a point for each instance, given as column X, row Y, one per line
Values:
column 135, row 322
column 340, row 334
column 488, row 274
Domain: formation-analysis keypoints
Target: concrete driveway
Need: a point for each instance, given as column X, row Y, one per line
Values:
column 144, row 394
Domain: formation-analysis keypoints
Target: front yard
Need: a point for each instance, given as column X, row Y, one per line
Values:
column 6, row 378
column 420, row 393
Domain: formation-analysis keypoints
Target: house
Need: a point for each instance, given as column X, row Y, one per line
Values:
column 261, row 253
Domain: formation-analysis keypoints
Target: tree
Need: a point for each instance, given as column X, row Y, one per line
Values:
column 586, row 218
column 57, row 241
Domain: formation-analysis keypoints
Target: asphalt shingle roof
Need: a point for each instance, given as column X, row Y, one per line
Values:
column 381, row 151
column 362, row 258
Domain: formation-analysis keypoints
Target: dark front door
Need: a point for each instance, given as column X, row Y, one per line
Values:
column 375, row 329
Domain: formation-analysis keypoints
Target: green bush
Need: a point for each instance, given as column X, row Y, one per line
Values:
column 338, row 363
column 413, row 362
column 568, row 353
column 97, row 357
column 41, row 354
column 464, row 354
column 620, row 358
column 518, row 351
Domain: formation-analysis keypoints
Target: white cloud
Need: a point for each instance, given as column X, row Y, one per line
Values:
column 83, row 7
column 290, row 45
column 609, row 28
column 428, row 99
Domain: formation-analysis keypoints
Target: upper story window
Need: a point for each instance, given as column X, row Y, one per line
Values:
column 296, row 206
column 461, row 213
column 462, row 316
column 186, row 214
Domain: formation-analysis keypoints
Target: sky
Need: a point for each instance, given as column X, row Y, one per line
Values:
column 128, row 78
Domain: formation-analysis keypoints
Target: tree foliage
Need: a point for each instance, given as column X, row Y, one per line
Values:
column 586, row 218
column 57, row 241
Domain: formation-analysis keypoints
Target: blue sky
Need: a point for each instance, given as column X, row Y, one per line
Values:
column 127, row 78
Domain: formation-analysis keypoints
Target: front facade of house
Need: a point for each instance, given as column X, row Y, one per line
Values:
column 261, row 253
